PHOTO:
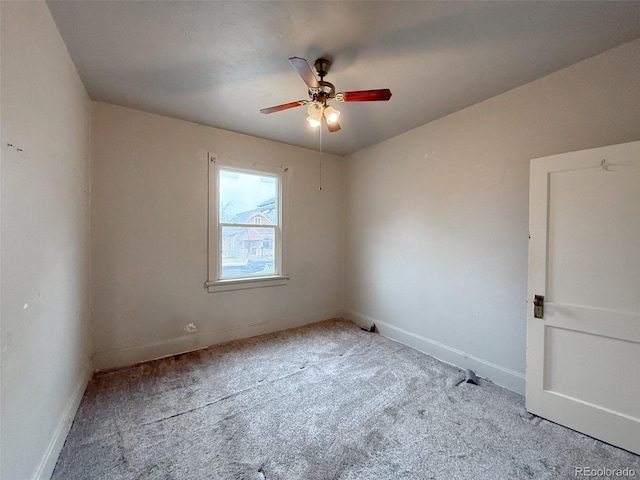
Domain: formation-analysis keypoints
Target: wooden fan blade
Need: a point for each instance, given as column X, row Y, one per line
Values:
column 364, row 95
column 284, row 106
column 302, row 67
column 333, row 127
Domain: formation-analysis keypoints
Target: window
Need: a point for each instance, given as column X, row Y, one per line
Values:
column 246, row 216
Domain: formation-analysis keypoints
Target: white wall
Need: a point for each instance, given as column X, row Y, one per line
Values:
column 150, row 238
column 436, row 229
column 46, row 346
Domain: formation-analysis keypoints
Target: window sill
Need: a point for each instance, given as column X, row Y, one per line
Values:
column 245, row 283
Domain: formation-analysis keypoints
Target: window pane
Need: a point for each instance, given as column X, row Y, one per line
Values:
column 248, row 198
column 248, row 251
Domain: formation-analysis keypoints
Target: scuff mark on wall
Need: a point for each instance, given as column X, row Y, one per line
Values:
column 8, row 343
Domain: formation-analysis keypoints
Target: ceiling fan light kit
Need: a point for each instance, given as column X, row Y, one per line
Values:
column 320, row 92
column 331, row 115
column 315, row 111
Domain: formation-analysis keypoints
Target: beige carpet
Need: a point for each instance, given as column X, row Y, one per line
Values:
column 325, row 401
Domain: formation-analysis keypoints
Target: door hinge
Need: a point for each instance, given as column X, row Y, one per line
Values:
column 538, row 306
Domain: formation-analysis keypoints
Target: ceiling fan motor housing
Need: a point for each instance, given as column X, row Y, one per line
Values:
column 324, row 92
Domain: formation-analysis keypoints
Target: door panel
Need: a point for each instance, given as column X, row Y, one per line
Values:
column 594, row 234
column 584, row 257
column 580, row 369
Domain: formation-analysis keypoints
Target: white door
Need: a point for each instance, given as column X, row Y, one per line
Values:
column 583, row 355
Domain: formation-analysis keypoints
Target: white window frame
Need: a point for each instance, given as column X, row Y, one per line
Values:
column 215, row 283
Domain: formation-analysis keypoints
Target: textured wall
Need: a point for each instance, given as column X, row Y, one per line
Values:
column 46, row 348
column 437, row 218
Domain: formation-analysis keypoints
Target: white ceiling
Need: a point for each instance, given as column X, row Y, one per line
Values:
column 217, row 63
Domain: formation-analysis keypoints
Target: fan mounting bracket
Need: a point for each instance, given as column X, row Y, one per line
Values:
column 322, row 66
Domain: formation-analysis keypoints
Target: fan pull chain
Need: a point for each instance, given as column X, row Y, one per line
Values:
column 320, row 167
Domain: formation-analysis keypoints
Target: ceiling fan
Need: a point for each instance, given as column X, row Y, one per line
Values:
column 320, row 92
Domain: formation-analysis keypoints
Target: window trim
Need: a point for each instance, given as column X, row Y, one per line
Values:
column 214, row 282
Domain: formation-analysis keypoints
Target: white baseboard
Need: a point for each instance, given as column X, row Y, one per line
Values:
column 123, row 357
column 509, row 379
column 49, row 459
